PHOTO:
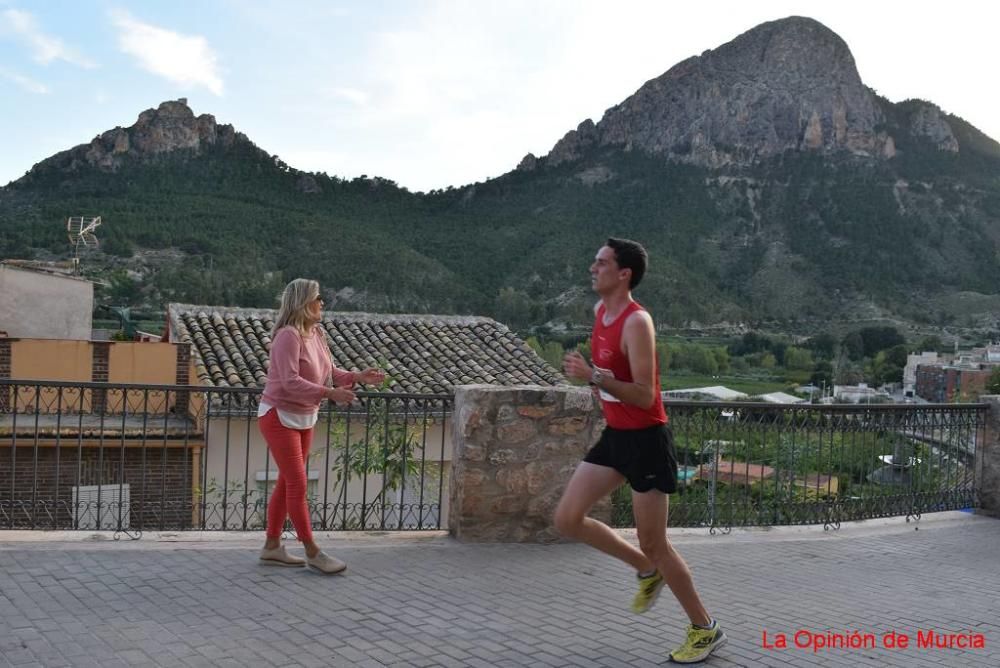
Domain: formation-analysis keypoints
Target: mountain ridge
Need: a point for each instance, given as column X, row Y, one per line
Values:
column 753, row 97
column 821, row 202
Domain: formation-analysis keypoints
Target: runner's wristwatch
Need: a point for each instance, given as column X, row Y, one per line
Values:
column 597, row 377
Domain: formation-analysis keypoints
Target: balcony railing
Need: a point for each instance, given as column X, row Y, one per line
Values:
column 129, row 458
column 755, row 464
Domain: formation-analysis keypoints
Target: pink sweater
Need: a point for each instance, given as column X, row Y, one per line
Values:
column 300, row 371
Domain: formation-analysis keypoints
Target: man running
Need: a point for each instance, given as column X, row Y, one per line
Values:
column 637, row 446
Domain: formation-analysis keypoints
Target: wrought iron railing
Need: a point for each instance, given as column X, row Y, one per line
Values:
column 130, row 458
column 756, row 464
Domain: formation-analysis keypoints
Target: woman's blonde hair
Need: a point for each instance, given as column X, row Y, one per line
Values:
column 294, row 300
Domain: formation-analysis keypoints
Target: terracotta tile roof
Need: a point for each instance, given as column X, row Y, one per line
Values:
column 29, row 426
column 736, row 473
column 422, row 354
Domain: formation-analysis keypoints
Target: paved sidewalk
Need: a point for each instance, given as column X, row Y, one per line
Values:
column 419, row 600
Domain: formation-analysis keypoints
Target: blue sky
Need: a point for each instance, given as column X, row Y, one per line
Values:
column 428, row 93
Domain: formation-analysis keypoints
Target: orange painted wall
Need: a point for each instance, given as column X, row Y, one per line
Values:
column 72, row 361
column 147, row 363
column 52, row 359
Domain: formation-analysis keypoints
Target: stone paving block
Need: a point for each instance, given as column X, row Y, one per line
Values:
column 443, row 603
column 18, row 656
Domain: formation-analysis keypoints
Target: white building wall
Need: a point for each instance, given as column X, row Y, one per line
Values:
column 41, row 305
column 914, row 360
column 247, row 458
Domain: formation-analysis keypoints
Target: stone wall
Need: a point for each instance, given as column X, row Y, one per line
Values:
column 988, row 460
column 515, row 449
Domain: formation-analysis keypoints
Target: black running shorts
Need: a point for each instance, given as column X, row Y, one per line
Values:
column 645, row 457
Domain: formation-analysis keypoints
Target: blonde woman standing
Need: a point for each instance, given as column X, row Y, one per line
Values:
column 298, row 380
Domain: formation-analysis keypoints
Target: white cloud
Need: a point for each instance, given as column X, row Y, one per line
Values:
column 458, row 92
column 358, row 97
column 187, row 60
column 45, row 48
column 24, row 82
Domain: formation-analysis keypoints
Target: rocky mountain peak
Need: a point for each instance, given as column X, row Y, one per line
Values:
column 790, row 84
column 928, row 121
column 172, row 126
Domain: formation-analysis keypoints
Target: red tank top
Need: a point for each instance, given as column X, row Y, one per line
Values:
column 606, row 353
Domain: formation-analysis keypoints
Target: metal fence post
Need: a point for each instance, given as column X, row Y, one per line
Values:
column 988, row 459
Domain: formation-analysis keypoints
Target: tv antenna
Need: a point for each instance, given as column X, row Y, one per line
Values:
column 81, row 234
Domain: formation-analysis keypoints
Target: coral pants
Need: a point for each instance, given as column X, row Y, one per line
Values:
column 290, row 448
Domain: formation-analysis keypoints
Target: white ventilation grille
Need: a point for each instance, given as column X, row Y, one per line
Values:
column 112, row 498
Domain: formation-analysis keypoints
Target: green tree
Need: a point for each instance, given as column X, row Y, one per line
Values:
column 798, row 359
column 778, row 349
column 880, row 338
column 663, row 355
column 385, row 447
column 823, row 345
column 848, row 374
column 854, row 346
column 677, row 356
column 536, row 345
column 721, row 358
column 752, row 342
column 931, row 344
column 822, row 374
column 696, row 358
column 553, row 354
column 766, row 360
column 897, row 355
column 704, row 361
column 513, row 307
column 117, row 246
column 887, row 365
column 993, row 383
column 123, row 290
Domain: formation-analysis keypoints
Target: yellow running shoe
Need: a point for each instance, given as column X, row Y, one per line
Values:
column 699, row 644
column 649, row 590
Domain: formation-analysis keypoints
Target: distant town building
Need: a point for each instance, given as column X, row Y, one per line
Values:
column 858, row 394
column 962, row 377
column 722, row 393
column 940, row 383
column 781, row 398
column 712, row 393
column 44, row 300
column 913, row 360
